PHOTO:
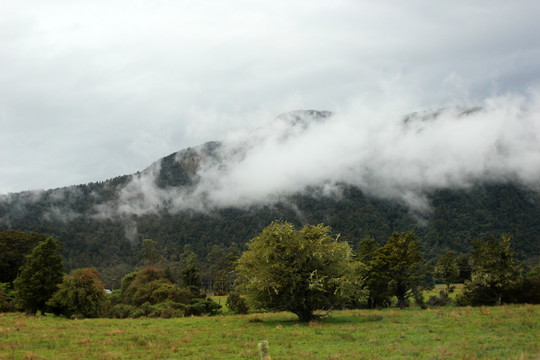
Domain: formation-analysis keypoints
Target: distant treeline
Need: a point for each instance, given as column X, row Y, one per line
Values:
column 112, row 244
column 282, row 269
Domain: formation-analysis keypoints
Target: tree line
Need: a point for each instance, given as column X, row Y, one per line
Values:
column 302, row 271
column 112, row 244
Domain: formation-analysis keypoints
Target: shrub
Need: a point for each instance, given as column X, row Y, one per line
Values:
column 122, row 311
column 80, row 294
column 7, row 298
column 144, row 310
column 168, row 310
column 237, row 304
column 202, row 306
column 442, row 300
column 151, row 285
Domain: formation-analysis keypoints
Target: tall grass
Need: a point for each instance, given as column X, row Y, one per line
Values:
column 506, row 332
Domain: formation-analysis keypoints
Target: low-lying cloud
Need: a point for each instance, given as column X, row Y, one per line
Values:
column 381, row 150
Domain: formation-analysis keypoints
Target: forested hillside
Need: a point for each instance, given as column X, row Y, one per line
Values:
column 103, row 224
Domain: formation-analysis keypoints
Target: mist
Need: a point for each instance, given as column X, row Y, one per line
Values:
column 383, row 149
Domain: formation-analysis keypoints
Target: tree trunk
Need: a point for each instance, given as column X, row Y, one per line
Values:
column 304, row 315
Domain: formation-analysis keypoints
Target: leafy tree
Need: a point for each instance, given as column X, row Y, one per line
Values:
column 80, row 294
column 297, row 271
column 404, row 265
column 464, row 266
column 149, row 292
column 7, row 298
column 495, row 276
column 375, row 273
column 39, row 276
column 217, row 269
column 237, row 303
column 530, row 287
column 14, row 246
column 447, row 269
column 151, row 285
column 192, row 280
column 150, row 252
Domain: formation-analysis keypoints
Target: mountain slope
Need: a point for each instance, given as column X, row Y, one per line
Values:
column 199, row 197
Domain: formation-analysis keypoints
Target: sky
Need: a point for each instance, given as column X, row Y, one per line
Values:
column 90, row 90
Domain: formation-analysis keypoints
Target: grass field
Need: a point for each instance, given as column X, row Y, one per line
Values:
column 506, row 332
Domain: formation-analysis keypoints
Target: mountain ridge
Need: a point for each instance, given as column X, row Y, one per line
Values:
column 103, row 223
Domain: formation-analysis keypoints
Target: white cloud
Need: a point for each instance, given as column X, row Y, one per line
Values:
column 376, row 150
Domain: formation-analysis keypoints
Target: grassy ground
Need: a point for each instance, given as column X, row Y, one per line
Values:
column 506, row 332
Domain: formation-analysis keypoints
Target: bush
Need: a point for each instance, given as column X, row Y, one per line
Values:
column 201, row 306
column 237, row 304
column 168, row 310
column 122, row 311
column 151, row 285
column 144, row 310
column 80, row 294
column 7, row 298
column 530, row 287
column 442, row 300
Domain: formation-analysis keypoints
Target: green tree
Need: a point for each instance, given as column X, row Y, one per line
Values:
column 495, row 276
column 374, row 273
column 41, row 273
column 192, row 279
column 297, row 271
column 151, row 285
column 530, row 287
column 404, row 265
column 150, row 252
column 447, row 269
column 80, row 294
column 14, row 246
column 237, row 303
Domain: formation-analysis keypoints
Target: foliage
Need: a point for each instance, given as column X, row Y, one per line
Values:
column 495, row 276
column 14, row 246
column 191, row 279
column 122, row 311
column 80, row 294
column 149, row 292
column 403, row 260
column 237, row 303
column 447, row 269
column 150, row 253
column 40, row 274
column 202, row 306
column 442, row 299
column 457, row 216
column 530, row 287
column 298, row 271
column 151, row 285
column 7, row 298
column 375, row 273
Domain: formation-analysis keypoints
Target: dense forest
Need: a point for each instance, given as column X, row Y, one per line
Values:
column 104, row 224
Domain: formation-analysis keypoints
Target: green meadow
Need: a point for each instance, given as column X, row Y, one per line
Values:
column 505, row 332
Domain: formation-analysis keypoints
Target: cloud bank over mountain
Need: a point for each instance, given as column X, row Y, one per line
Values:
column 382, row 151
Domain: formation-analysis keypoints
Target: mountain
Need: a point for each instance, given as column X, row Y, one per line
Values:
column 224, row 193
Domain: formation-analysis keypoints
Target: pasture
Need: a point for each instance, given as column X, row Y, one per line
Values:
column 506, row 332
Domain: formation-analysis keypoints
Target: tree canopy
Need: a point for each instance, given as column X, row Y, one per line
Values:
column 80, row 294
column 14, row 246
column 495, row 275
column 40, row 275
column 297, row 271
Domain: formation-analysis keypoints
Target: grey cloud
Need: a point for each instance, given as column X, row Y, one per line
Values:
column 385, row 154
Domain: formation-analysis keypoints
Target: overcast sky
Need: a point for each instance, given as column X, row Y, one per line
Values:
column 94, row 89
